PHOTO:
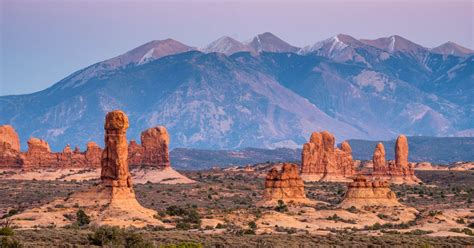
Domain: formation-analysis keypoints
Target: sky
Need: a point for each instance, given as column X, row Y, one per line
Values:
column 45, row 41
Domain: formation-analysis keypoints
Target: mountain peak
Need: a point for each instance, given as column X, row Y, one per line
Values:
column 268, row 42
column 452, row 48
column 226, row 45
column 394, row 43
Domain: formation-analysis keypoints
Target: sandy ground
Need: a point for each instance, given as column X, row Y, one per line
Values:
column 139, row 175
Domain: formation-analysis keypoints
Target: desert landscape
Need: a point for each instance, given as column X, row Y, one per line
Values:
column 127, row 194
column 235, row 123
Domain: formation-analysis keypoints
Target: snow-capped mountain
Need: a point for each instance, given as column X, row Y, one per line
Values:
column 264, row 93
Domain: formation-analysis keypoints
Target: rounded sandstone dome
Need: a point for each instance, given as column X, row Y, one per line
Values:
column 116, row 120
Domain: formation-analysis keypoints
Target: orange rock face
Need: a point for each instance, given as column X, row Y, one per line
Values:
column 321, row 161
column 114, row 162
column 9, row 147
column 39, row 154
column 153, row 150
column 284, row 185
column 93, row 154
column 378, row 159
column 398, row 171
column 362, row 192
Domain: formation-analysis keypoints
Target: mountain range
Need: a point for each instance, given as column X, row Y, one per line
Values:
column 261, row 93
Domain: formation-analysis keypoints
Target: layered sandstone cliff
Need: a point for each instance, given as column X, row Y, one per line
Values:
column 362, row 192
column 321, row 161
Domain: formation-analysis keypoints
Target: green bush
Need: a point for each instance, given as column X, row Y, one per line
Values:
column 82, row 219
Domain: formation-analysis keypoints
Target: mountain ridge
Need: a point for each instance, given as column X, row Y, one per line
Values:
column 255, row 98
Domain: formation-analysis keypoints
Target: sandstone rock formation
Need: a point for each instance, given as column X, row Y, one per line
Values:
column 93, row 154
column 115, row 154
column 321, row 161
column 378, row 160
column 9, row 136
column 284, row 184
column 9, row 147
column 362, row 192
column 112, row 202
column 398, row 171
column 153, row 151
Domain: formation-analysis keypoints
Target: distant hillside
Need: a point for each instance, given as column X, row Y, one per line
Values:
column 196, row 159
column 432, row 149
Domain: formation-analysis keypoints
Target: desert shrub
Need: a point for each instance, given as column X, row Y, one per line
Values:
column 82, row 219
column 183, row 245
column 418, row 232
column 352, row 209
column 252, row 225
column 6, row 231
column 136, row 240
column 10, row 213
column 281, row 207
column 460, row 221
column 106, row 235
column 7, row 242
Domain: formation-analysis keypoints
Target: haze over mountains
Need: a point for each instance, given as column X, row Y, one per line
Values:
column 261, row 93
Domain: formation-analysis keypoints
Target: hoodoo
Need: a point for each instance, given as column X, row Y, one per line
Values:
column 112, row 202
column 398, row 171
column 321, row 161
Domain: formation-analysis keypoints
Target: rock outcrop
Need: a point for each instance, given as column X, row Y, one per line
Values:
column 115, row 154
column 9, row 147
column 321, row 161
column 398, row 171
column 378, row 160
column 362, row 192
column 112, row 202
column 284, row 184
column 153, row 151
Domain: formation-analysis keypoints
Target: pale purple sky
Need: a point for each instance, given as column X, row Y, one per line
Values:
column 44, row 41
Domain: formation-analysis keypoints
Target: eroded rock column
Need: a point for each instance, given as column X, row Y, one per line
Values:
column 114, row 163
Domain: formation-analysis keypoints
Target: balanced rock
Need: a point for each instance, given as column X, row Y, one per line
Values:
column 9, row 147
column 362, row 192
column 321, row 161
column 398, row 171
